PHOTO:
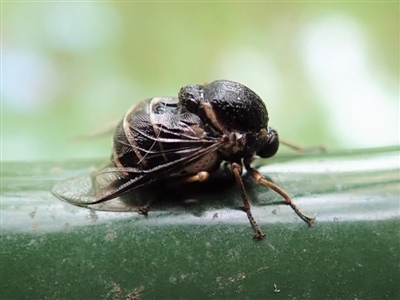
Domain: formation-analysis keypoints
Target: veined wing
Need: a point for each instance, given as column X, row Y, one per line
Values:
column 153, row 141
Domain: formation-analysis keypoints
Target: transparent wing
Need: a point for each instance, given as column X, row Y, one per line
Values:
column 172, row 143
column 81, row 191
column 103, row 189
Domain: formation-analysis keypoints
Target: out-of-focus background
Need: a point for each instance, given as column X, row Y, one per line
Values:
column 328, row 72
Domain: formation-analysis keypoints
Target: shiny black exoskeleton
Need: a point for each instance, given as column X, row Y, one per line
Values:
column 232, row 107
column 173, row 141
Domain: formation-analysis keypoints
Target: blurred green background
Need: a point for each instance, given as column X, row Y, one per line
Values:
column 328, row 72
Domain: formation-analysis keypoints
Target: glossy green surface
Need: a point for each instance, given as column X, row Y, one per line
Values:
column 197, row 250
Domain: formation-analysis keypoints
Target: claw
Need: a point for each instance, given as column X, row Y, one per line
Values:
column 259, row 235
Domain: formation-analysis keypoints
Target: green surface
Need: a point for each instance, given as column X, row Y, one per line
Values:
column 54, row 250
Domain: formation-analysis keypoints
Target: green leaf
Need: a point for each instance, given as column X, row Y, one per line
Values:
column 199, row 245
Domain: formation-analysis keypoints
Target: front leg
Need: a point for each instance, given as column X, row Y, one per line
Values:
column 237, row 172
column 261, row 179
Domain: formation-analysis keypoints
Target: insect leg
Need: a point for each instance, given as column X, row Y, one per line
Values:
column 260, row 179
column 237, row 172
column 303, row 149
column 144, row 209
column 200, row 177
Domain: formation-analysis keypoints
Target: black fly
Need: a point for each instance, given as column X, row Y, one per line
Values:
column 177, row 141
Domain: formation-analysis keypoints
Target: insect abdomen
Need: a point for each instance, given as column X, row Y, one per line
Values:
column 152, row 134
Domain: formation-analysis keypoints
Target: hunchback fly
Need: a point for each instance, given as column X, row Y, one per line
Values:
column 175, row 141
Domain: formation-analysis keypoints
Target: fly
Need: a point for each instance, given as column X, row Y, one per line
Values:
column 167, row 142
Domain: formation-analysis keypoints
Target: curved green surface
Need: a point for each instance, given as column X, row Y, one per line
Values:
column 202, row 248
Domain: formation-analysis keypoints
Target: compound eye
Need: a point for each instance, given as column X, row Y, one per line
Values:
column 190, row 97
column 271, row 145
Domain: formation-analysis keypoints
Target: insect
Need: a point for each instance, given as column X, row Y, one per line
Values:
column 167, row 142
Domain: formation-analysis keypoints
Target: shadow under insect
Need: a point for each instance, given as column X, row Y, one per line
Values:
column 219, row 192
